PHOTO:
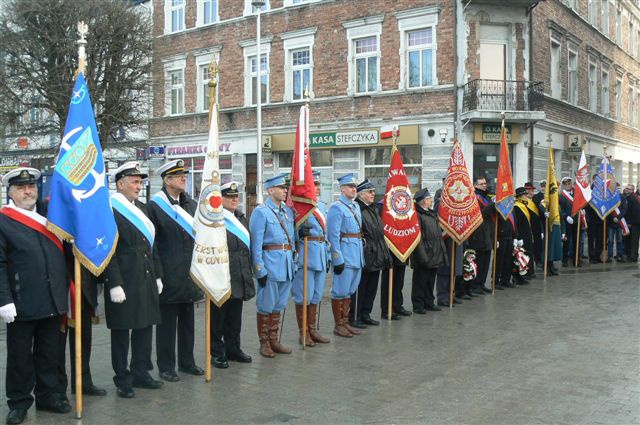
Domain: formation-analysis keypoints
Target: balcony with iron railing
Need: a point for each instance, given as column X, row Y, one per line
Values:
column 487, row 99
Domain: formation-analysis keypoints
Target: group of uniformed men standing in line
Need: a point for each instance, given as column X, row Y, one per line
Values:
column 147, row 281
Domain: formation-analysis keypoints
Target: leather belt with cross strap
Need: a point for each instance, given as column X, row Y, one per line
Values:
column 350, row 235
column 277, row 247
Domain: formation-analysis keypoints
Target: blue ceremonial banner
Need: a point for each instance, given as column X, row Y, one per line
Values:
column 605, row 195
column 79, row 206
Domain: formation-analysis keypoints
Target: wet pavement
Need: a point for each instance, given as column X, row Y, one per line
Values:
column 561, row 351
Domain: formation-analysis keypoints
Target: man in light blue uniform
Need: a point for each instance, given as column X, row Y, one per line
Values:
column 344, row 232
column 272, row 238
column 314, row 228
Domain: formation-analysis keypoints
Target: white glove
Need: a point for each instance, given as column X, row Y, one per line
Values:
column 160, row 285
column 497, row 244
column 546, row 214
column 117, row 295
column 520, row 242
column 8, row 312
column 615, row 219
column 564, row 237
column 541, row 235
column 569, row 219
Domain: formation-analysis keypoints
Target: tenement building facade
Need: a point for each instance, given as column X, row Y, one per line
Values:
column 438, row 69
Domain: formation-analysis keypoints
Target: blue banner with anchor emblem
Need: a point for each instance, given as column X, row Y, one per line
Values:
column 79, row 208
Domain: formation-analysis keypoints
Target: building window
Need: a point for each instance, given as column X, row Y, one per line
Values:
column 572, row 85
column 618, row 100
column 619, row 27
column 605, row 108
column 366, row 62
column 593, row 89
column 250, row 9
column 364, row 54
column 556, row 84
column 631, row 37
column 604, row 17
column 630, row 106
column 420, row 57
column 591, row 12
column 176, row 15
column 207, row 12
column 36, row 111
column 174, row 87
column 264, row 78
column 298, row 65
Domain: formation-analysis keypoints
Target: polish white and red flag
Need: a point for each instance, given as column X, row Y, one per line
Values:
column 387, row 131
column 582, row 190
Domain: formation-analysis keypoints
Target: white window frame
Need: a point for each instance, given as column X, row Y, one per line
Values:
column 168, row 18
column 248, row 8
column 412, row 20
column 631, row 36
column 204, row 59
column 630, row 105
column 605, row 105
column 359, row 29
column 292, row 41
column 572, row 95
column 169, row 67
column 618, row 94
column 200, row 14
column 604, row 17
column 249, row 51
column 592, row 80
column 591, row 12
column 556, row 86
column 619, row 26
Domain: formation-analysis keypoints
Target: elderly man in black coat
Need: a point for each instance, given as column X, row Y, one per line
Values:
column 376, row 257
column 132, row 284
column 171, row 210
column 226, row 321
column 428, row 255
column 481, row 240
column 33, row 296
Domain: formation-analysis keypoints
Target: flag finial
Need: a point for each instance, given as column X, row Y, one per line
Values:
column 83, row 30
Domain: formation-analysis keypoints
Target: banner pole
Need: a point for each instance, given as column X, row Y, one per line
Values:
column 495, row 256
column 207, row 339
column 604, row 240
column 452, row 277
column 78, row 336
column 390, row 303
column 546, row 245
column 577, row 254
column 304, row 292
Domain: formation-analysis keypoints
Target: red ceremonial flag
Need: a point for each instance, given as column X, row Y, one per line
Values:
column 459, row 211
column 505, row 193
column 302, row 191
column 401, row 227
column 582, row 192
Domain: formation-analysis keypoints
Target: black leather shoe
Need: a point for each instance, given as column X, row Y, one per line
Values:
column 486, row 290
column 367, row 320
column 219, row 362
column 169, row 376
column 192, row 370
column 16, row 416
column 393, row 316
column 433, row 308
column 403, row 312
column 58, row 406
column 444, row 305
column 126, row 392
column 464, row 297
column 239, row 356
column 92, row 390
column 477, row 291
column 620, row 259
column 150, row 384
column 420, row 311
column 357, row 324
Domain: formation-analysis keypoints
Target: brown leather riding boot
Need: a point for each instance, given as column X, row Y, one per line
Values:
column 340, row 330
column 299, row 313
column 263, row 334
column 312, row 321
column 346, row 305
column 273, row 335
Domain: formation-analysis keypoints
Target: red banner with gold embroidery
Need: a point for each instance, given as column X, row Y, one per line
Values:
column 401, row 226
column 459, row 211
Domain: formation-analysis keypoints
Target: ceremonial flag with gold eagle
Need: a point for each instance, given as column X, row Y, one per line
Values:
column 582, row 192
column 459, row 211
column 302, row 191
column 505, row 193
column 401, row 226
column 210, row 260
